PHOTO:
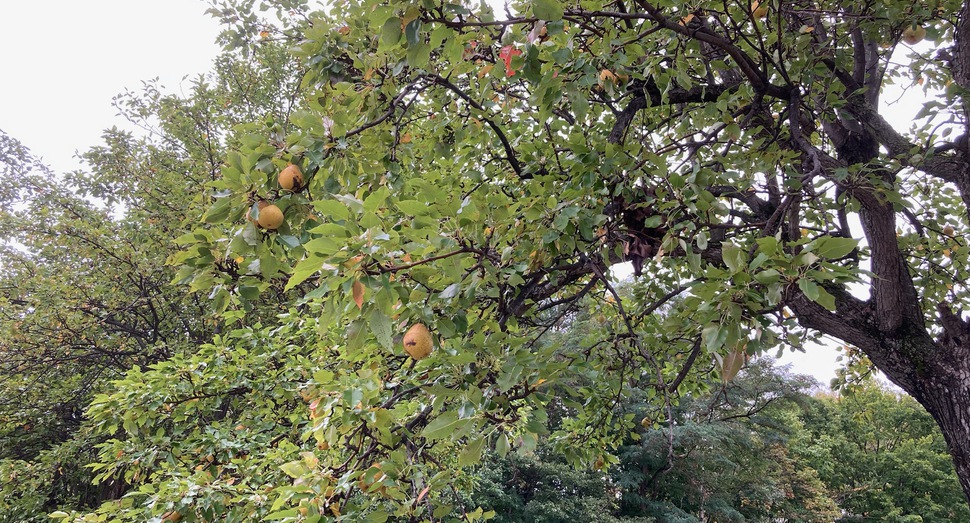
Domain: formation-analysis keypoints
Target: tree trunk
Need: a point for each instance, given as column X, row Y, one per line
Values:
column 948, row 403
column 935, row 372
column 944, row 390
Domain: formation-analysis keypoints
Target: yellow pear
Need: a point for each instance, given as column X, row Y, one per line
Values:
column 759, row 11
column 290, row 178
column 261, row 204
column 270, row 217
column 374, row 474
column 418, row 342
column 914, row 34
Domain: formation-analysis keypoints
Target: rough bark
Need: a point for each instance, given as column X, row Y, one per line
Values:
column 926, row 354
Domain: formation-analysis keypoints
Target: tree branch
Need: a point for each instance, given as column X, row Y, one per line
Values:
column 509, row 151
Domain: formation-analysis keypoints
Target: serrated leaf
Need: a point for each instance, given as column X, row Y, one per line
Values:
column 825, row 299
column 288, row 240
column 548, row 10
column 380, row 325
column 809, row 288
column 442, row 510
column 322, row 245
column 442, row 426
column 294, row 469
column 713, row 336
column 472, row 453
column 332, row 209
column 450, row 291
column 413, row 207
column 303, row 270
column 734, row 257
column 413, row 31
column 502, row 445
column 218, row 212
column 377, row 517
column 391, row 32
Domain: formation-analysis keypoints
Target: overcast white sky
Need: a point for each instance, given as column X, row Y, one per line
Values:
column 64, row 60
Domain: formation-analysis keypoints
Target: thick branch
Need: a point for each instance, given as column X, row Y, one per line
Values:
column 848, row 322
column 649, row 95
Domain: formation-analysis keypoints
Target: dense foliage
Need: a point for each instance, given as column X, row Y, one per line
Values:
column 86, row 293
column 760, row 449
column 480, row 173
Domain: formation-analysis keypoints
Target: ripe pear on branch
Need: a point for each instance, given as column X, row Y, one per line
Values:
column 914, row 34
column 269, row 216
column 291, row 178
column 418, row 342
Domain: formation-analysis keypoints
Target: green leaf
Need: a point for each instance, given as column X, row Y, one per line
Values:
column 413, row 32
column 734, row 257
column 249, row 292
column 414, row 208
column 809, row 288
column 303, row 270
column 219, row 211
column 294, row 469
column 825, row 299
column 548, row 10
column 332, row 209
column 442, row 426
column 714, row 336
column 419, row 55
column 502, row 445
column 834, row 248
column 377, row 517
column 323, row 245
column 380, row 325
column 283, row 514
column 391, row 32
column 472, row 453
column 450, row 291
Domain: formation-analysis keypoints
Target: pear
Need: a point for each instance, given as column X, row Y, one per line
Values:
column 374, row 474
column 291, row 178
column 418, row 342
column 270, row 217
column 914, row 34
column 759, row 11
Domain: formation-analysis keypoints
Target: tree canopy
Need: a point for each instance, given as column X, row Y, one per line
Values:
column 480, row 173
column 85, row 290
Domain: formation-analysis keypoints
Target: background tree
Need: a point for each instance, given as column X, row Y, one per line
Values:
column 85, row 290
column 727, row 457
column 760, row 448
column 881, row 457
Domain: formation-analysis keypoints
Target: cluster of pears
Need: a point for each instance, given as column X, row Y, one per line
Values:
column 270, row 216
